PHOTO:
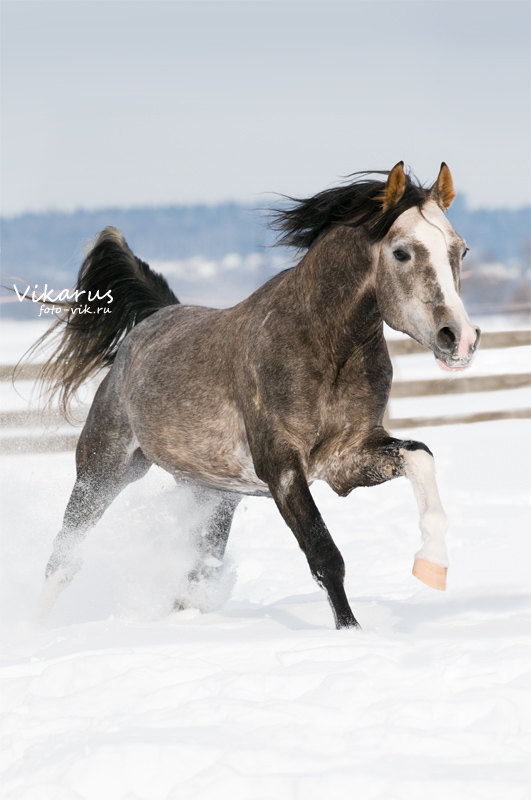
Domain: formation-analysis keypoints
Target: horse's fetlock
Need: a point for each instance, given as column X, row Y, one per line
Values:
column 60, row 572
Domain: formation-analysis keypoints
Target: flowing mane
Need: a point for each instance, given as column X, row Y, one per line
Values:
column 357, row 203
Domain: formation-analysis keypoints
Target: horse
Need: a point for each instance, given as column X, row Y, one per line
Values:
column 287, row 387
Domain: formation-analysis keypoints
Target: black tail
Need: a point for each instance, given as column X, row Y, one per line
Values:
column 112, row 279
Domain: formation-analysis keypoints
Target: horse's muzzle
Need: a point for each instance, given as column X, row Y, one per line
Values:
column 455, row 345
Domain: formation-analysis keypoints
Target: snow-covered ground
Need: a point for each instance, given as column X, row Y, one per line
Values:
column 259, row 697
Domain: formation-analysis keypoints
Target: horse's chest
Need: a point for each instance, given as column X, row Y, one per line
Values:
column 329, row 466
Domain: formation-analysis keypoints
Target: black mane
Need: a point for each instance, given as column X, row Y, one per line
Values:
column 356, row 203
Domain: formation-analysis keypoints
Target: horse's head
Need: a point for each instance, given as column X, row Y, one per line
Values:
column 418, row 273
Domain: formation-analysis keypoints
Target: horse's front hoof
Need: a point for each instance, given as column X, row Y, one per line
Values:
column 431, row 574
column 347, row 622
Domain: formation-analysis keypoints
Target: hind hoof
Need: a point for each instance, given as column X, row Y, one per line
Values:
column 431, row 574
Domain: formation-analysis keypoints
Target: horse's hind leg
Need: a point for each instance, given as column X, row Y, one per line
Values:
column 209, row 539
column 106, row 461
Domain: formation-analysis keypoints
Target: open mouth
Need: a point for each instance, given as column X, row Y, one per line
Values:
column 450, row 361
column 451, row 365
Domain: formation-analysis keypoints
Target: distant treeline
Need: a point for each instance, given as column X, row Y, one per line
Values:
column 56, row 240
column 49, row 247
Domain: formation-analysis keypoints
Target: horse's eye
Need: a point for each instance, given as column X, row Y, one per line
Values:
column 401, row 255
column 465, row 252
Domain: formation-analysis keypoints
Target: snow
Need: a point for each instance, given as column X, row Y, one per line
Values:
column 258, row 696
column 18, row 336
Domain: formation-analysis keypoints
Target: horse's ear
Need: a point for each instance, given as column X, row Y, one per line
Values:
column 443, row 191
column 394, row 188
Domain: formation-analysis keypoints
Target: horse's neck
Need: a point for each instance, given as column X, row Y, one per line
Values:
column 336, row 282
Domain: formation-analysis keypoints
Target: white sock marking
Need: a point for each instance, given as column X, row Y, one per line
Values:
column 420, row 469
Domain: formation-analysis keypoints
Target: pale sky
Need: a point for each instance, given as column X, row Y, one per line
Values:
column 129, row 103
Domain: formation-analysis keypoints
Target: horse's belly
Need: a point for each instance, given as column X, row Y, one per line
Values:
column 244, row 482
column 211, row 450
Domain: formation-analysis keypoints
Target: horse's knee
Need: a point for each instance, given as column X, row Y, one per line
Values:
column 392, row 458
column 418, row 461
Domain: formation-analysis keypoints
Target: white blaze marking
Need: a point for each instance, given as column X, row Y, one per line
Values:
column 468, row 337
column 420, row 469
column 433, row 231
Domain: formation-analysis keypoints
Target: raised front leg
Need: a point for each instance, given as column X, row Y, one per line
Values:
column 431, row 561
column 382, row 457
column 295, row 502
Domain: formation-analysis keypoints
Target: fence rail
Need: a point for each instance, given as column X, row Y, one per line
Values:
column 463, row 385
column 52, row 442
column 42, row 443
column 458, row 419
column 472, row 383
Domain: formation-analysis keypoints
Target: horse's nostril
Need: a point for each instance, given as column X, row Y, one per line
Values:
column 478, row 337
column 446, row 339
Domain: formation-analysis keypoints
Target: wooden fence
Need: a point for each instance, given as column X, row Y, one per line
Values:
column 32, row 424
column 464, row 384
